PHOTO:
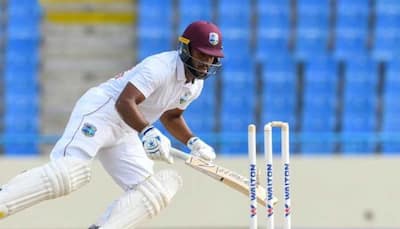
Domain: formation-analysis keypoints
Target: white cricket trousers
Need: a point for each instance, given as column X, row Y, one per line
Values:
column 95, row 129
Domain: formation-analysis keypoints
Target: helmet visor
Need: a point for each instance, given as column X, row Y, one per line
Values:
column 204, row 69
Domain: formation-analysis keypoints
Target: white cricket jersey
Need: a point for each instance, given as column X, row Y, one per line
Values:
column 161, row 79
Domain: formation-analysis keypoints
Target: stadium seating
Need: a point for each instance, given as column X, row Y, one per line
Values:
column 202, row 111
column 312, row 30
column 21, row 58
column 237, row 102
column 154, row 27
column 351, row 29
column 279, row 93
column 387, row 30
column 234, row 22
column 312, row 63
column 391, row 107
column 359, row 103
column 273, row 29
column 190, row 11
column 319, row 102
column 234, row 15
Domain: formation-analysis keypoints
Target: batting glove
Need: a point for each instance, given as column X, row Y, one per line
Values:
column 156, row 145
column 200, row 149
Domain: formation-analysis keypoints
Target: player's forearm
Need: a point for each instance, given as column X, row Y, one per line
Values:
column 177, row 126
column 131, row 115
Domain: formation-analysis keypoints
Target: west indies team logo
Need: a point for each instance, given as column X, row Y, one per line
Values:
column 185, row 97
column 89, row 130
column 213, row 38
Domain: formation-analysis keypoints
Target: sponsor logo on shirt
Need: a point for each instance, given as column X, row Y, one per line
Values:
column 185, row 97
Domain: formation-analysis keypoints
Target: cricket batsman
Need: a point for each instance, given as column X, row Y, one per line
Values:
column 113, row 122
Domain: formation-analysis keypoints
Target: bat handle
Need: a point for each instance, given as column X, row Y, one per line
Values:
column 179, row 154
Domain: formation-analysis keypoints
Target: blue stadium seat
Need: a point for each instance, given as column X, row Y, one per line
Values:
column 361, row 77
column 22, row 53
column 353, row 7
column 21, row 149
column 237, row 104
column 391, row 129
column 23, row 28
column 234, row 122
column 312, row 28
column 356, row 128
column 391, row 107
column 23, row 19
column 392, row 79
column 24, row 9
column 201, row 123
column 23, row 102
column 239, row 65
column 21, row 123
column 310, row 45
column 273, row 29
column 272, row 45
column 149, row 11
column 275, row 19
column 316, row 120
column 359, row 104
column 21, row 77
column 152, row 45
column 348, row 46
column 234, row 22
column 21, row 63
column 313, row 15
column 354, row 122
column 355, row 23
column 390, row 103
column 233, row 143
column 154, row 27
column 385, row 46
column 387, row 34
column 238, row 85
column 193, row 10
column 390, row 122
column 234, row 14
column 313, row 5
column 279, row 90
column 351, row 29
column 236, row 50
column 238, row 96
column 387, row 5
column 319, row 103
column 202, row 112
column 317, row 130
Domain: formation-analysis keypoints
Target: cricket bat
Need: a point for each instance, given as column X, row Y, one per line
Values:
column 226, row 176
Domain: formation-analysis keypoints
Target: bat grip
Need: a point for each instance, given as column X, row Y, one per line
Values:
column 179, row 154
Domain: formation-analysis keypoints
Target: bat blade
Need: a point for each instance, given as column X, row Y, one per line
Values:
column 228, row 177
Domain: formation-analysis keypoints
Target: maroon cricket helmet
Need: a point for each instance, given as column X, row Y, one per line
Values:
column 205, row 37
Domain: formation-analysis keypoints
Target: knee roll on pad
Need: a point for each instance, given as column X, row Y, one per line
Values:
column 54, row 179
column 67, row 175
column 146, row 201
column 159, row 190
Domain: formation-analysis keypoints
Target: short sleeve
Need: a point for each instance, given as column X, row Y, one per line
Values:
column 148, row 77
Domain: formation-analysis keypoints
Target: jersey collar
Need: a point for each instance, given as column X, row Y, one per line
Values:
column 180, row 73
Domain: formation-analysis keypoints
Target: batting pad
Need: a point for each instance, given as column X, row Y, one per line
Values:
column 54, row 179
column 142, row 203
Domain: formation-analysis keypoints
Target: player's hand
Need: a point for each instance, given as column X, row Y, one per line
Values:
column 156, row 145
column 200, row 149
